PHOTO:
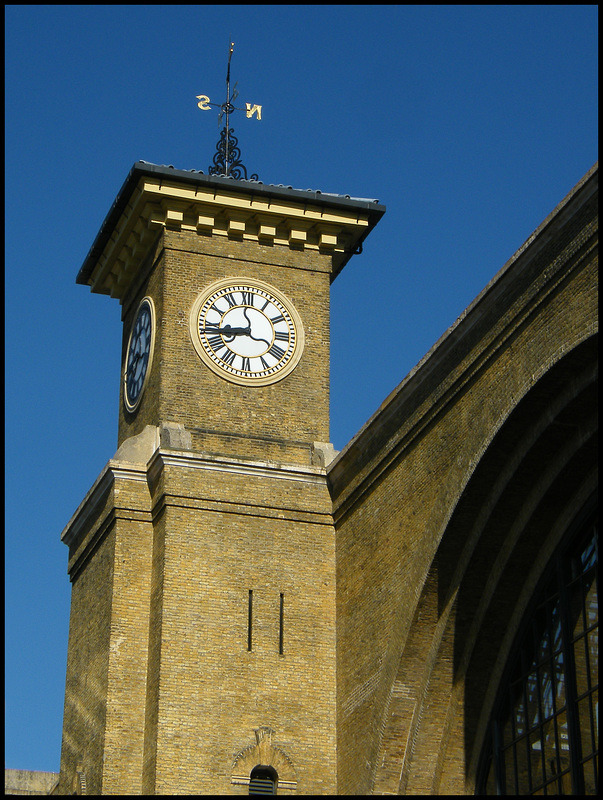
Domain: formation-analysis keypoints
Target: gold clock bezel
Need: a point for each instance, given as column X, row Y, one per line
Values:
column 231, row 373
column 131, row 407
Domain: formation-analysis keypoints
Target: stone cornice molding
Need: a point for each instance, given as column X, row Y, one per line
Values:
column 95, row 497
column 258, row 469
column 155, row 199
column 151, row 460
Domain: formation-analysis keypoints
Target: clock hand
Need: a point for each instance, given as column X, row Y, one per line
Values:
column 135, row 359
column 228, row 331
column 251, row 336
column 259, row 339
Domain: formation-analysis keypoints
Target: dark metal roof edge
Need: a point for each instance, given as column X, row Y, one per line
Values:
column 141, row 168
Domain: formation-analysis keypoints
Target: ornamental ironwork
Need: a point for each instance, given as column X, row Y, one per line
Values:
column 227, row 160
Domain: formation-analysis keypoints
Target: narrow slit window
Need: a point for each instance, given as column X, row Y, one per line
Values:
column 281, row 630
column 249, row 618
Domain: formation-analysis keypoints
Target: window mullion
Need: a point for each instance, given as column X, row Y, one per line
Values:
column 571, row 704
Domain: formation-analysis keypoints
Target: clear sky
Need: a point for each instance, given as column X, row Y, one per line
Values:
column 469, row 123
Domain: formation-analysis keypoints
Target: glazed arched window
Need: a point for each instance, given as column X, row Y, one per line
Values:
column 544, row 733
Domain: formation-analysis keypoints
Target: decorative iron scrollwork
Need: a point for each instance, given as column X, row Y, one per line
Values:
column 227, row 160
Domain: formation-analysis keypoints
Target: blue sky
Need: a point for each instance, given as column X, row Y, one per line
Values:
column 469, row 123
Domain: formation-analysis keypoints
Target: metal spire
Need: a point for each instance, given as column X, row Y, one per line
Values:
column 227, row 160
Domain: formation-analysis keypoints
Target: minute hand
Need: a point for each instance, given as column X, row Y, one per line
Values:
column 228, row 331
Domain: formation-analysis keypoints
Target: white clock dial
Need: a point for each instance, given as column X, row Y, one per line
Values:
column 246, row 331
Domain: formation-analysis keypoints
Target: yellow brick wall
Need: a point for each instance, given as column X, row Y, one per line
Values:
column 219, row 535
column 110, row 567
column 87, row 669
column 403, row 718
column 275, row 422
column 127, row 682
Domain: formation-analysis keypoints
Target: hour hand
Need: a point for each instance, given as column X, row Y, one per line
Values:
column 227, row 330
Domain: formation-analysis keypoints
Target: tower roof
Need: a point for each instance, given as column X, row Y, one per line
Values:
column 155, row 196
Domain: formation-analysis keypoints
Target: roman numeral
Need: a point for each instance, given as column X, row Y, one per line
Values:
column 277, row 352
column 228, row 357
column 247, row 298
column 246, row 365
column 215, row 342
column 230, row 299
column 274, row 320
column 282, row 337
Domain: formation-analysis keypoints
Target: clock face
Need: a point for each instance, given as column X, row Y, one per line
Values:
column 246, row 331
column 139, row 353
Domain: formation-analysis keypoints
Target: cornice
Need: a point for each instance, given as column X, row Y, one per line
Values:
column 155, row 199
column 149, row 473
column 161, row 459
column 97, row 494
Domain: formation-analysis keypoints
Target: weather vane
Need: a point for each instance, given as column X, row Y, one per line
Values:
column 227, row 160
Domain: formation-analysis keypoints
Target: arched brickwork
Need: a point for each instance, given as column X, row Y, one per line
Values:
column 531, row 483
column 266, row 754
column 448, row 504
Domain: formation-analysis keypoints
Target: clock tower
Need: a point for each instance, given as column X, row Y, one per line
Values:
column 202, row 634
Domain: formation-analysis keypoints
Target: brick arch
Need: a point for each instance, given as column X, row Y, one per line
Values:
column 264, row 753
column 528, row 486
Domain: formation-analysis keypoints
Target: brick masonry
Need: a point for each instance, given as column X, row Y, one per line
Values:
column 448, row 506
column 203, row 560
column 236, row 602
column 278, row 421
